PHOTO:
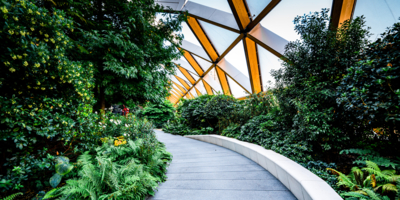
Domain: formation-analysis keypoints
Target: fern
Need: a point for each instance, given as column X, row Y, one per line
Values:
column 130, row 171
column 11, row 197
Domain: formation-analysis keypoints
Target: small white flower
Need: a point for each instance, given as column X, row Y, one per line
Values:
column 95, row 112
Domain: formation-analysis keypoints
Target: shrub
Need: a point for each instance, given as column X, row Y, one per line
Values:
column 45, row 96
column 370, row 89
column 159, row 113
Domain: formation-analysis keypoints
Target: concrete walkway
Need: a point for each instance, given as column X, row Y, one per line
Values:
column 203, row 171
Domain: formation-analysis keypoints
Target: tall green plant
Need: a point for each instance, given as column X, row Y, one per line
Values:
column 306, row 85
column 159, row 113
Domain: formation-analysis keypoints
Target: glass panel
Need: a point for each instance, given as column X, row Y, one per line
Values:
column 280, row 19
column 222, row 5
column 179, row 73
column 212, row 79
column 237, row 58
column 256, row 6
column 219, row 37
column 177, row 81
column 236, row 90
column 189, row 35
column 268, row 62
column 193, row 92
column 185, row 64
column 203, row 63
column 201, row 88
column 379, row 14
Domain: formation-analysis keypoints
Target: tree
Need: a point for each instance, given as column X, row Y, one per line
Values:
column 306, row 85
column 127, row 46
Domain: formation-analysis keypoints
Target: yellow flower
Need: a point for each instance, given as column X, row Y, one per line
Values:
column 19, row 57
column 25, row 54
column 46, row 35
column 11, row 32
column 37, row 65
column 25, row 63
column 32, row 29
column 38, row 83
column 43, row 88
column 12, row 70
column 30, row 11
column 14, row 57
column 37, row 12
column 15, row 18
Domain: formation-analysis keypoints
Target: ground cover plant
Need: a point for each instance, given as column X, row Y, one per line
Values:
column 56, row 59
column 335, row 105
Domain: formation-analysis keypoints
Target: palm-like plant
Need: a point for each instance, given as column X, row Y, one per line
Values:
column 368, row 182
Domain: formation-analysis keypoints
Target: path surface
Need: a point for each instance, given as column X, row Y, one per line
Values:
column 203, row 171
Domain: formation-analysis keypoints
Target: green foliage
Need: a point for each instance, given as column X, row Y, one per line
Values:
column 125, row 41
column 130, row 171
column 192, row 111
column 370, row 89
column 11, row 197
column 45, row 95
column 368, row 181
column 319, row 168
column 306, row 85
column 373, row 156
column 159, row 113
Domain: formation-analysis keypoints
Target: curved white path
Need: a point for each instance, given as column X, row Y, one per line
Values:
column 204, row 171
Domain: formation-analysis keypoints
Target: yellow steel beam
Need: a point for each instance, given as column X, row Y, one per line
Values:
column 240, row 12
column 179, row 92
column 187, row 86
column 198, row 92
column 202, row 37
column 187, row 74
column 342, row 10
column 180, row 88
column 208, row 88
column 223, row 80
column 253, row 66
column 193, row 63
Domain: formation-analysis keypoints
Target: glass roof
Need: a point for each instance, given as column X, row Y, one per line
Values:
column 219, row 29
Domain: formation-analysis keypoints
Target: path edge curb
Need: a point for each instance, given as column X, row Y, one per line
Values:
column 304, row 184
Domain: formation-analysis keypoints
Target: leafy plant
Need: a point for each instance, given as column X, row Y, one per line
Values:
column 11, row 197
column 367, row 181
column 62, row 168
column 159, row 113
column 373, row 156
column 129, row 171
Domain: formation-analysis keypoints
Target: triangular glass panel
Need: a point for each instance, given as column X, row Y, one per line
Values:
column 185, row 64
column 220, row 38
column 257, row 6
column 286, row 11
column 193, row 92
column 378, row 15
column 237, row 58
column 268, row 62
column 180, row 75
column 203, row 63
column 222, row 5
column 175, row 80
column 201, row 88
column 212, row 79
column 189, row 35
column 237, row 90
